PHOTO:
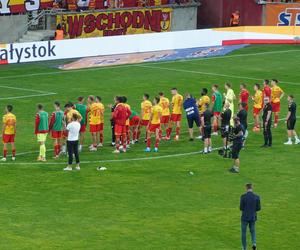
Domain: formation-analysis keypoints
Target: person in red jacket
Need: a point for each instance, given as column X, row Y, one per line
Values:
column 120, row 115
column 244, row 95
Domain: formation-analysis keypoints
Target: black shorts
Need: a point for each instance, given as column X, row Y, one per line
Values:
column 191, row 121
column 207, row 132
column 291, row 124
column 236, row 148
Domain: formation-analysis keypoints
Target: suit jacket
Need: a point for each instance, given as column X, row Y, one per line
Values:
column 249, row 205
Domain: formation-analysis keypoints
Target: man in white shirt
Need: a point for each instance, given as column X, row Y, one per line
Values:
column 72, row 143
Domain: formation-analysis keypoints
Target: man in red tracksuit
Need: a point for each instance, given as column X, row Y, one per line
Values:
column 120, row 115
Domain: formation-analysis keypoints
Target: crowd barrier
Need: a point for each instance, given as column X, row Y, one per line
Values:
column 79, row 48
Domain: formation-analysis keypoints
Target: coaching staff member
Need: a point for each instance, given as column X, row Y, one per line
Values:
column 225, row 123
column 249, row 205
column 238, row 136
column 206, row 125
column 291, row 121
column 267, row 123
column 192, row 114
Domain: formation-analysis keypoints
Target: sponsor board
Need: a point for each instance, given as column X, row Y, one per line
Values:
column 283, row 14
column 122, row 22
column 22, row 6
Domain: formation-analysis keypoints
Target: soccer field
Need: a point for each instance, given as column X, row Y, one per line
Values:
column 148, row 201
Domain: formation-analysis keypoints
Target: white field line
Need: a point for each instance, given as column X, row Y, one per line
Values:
column 39, row 93
column 209, row 73
column 115, row 160
column 106, row 161
column 150, row 63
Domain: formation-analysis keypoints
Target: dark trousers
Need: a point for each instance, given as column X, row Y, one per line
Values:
column 267, row 134
column 113, row 136
column 244, row 225
column 72, row 149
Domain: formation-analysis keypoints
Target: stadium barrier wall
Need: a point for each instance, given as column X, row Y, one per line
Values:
column 79, row 48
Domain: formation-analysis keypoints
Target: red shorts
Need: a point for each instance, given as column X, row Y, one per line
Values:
column 217, row 114
column 96, row 128
column 8, row 138
column 144, row 123
column 153, row 127
column 134, row 121
column 56, row 134
column 256, row 111
column 65, row 133
column 275, row 107
column 120, row 129
column 82, row 128
column 165, row 119
column 176, row 117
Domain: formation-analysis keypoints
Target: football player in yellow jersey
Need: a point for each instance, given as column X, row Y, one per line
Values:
column 100, row 135
column 94, row 110
column 165, row 105
column 9, row 132
column 154, row 125
column 257, row 106
column 202, row 103
column 276, row 95
column 146, row 108
column 177, row 101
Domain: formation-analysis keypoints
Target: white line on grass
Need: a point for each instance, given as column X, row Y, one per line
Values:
column 150, row 63
column 39, row 93
column 208, row 73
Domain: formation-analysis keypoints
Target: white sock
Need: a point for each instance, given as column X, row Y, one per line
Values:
column 209, row 148
column 63, row 148
column 296, row 138
column 290, row 139
column 205, row 150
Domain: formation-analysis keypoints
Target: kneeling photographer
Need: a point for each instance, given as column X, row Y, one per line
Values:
column 238, row 136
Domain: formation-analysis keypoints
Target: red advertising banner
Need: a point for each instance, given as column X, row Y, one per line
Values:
column 283, row 14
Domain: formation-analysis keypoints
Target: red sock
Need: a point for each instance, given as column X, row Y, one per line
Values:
column 124, row 141
column 215, row 127
column 177, row 131
column 101, row 138
column 4, row 153
column 14, row 152
column 160, row 133
column 157, row 142
column 169, row 131
column 117, row 142
column 58, row 148
column 276, row 119
column 149, row 142
column 128, row 137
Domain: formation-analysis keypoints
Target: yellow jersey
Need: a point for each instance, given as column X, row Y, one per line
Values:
column 177, row 101
column 156, row 114
column 128, row 120
column 276, row 94
column 70, row 115
column 96, row 111
column 258, row 99
column 164, row 103
column 146, row 107
column 202, row 102
column 9, row 121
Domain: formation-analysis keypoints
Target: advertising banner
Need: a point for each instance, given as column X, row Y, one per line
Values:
column 122, row 22
column 22, row 6
column 283, row 14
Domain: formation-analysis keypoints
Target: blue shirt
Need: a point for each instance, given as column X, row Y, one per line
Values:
column 191, row 108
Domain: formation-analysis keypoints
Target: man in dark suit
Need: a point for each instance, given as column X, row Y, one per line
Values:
column 249, row 205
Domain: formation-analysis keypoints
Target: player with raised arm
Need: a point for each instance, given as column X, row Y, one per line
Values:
column 41, row 130
column 154, row 125
column 9, row 132
column 56, row 128
column 177, row 101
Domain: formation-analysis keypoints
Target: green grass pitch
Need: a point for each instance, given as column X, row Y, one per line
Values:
column 155, row 203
